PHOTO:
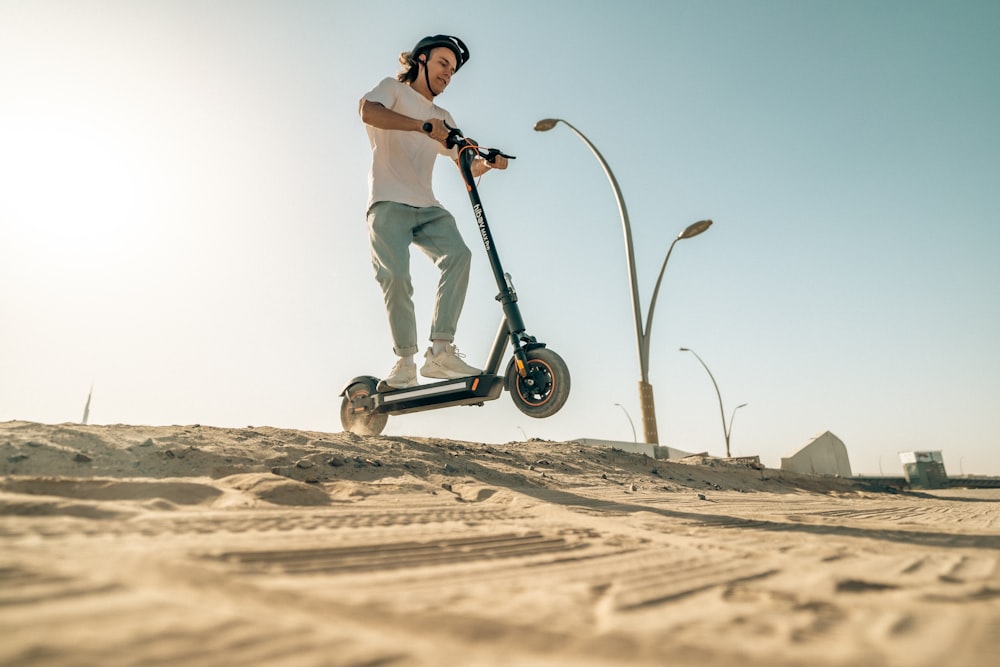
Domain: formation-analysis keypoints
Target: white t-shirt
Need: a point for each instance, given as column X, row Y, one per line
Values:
column 403, row 162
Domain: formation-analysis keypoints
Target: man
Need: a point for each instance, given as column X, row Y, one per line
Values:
column 407, row 131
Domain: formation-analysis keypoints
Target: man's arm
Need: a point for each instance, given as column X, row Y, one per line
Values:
column 377, row 115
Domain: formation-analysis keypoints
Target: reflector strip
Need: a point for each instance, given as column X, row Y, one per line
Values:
column 475, row 383
column 406, row 395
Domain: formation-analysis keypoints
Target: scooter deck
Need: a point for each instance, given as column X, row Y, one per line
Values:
column 473, row 390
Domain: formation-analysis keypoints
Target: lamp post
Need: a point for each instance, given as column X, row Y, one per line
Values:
column 629, row 417
column 725, row 431
column 641, row 336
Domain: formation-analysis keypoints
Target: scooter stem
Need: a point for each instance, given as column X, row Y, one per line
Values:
column 507, row 296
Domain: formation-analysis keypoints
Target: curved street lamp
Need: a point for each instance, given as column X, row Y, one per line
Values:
column 629, row 417
column 725, row 431
column 641, row 336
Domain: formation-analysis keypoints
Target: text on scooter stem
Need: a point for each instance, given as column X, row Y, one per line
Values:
column 481, row 221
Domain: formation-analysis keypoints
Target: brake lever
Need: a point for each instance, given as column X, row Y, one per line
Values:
column 491, row 155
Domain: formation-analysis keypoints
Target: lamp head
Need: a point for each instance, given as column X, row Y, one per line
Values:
column 546, row 124
column 695, row 228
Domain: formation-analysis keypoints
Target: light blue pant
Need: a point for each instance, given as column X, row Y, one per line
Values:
column 392, row 228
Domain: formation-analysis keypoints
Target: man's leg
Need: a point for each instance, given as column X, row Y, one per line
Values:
column 439, row 238
column 390, row 232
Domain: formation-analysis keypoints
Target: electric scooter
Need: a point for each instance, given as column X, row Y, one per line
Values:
column 536, row 377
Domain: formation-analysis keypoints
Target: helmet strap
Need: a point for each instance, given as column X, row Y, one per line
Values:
column 427, row 78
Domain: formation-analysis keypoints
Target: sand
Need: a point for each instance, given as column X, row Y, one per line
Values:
column 192, row 545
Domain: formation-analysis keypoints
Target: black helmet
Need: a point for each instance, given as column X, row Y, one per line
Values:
column 453, row 43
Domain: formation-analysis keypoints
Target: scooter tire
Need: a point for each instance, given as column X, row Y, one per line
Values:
column 360, row 422
column 545, row 386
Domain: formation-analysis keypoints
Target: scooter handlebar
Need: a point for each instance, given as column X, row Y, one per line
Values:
column 457, row 139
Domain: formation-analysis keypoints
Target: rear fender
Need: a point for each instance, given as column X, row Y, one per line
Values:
column 372, row 383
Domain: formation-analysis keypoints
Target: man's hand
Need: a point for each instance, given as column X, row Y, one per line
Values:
column 439, row 131
column 499, row 163
column 481, row 166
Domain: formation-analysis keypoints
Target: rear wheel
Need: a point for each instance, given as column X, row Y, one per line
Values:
column 544, row 388
column 357, row 418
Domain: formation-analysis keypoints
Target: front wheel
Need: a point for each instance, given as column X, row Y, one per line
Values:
column 359, row 420
column 544, row 388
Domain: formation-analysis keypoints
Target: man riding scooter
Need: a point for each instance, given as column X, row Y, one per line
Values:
column 407, row 131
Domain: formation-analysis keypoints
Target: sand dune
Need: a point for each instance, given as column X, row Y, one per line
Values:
column 192, row 545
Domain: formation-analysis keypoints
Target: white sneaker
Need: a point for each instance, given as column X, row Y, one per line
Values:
column 401, row 376
column 447, row 365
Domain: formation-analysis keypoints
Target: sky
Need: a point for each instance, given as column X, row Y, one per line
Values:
column 182, row 215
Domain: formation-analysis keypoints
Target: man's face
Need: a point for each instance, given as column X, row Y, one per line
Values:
column 441, row 64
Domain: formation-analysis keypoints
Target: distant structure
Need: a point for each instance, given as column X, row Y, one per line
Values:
column 924, row 470
column 823, row 455
column 650, row 450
